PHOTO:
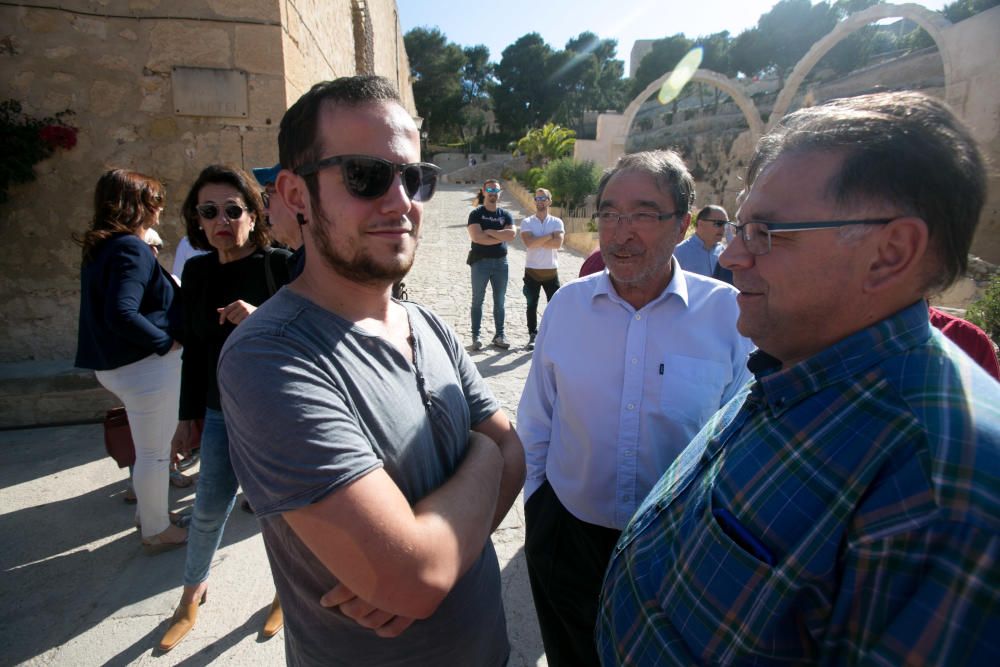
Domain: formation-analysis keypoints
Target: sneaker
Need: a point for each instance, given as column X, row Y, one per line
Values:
column 500, row 341
column 531, row 342
column 477, row 344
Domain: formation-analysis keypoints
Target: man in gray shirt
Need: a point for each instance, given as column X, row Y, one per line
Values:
column 377, row 459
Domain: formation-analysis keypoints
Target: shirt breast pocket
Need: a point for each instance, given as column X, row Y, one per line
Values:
column 691, row 389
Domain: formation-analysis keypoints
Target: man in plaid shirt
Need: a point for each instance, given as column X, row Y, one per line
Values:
column 845, row 508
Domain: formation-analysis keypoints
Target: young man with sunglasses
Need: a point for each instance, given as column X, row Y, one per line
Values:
column 383, row 461
column 542, row 235
column 843, row 508
column 491, row 228
column 699, row 253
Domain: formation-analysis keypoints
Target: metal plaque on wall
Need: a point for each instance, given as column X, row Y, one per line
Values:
column 202, row 91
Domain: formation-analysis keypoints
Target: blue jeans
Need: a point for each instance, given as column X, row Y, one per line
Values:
column 213, row 501
column 491, row 270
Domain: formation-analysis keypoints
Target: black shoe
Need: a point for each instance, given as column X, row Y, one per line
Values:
column 531, row 342
column 501, row 341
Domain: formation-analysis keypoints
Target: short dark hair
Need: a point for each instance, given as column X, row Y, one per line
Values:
column 667, row 167
column 906, row 148
column 237, row 178
column 705, row 210
column 123, row 201
column 298, row 143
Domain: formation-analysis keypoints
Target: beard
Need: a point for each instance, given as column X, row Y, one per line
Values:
column 360, row 266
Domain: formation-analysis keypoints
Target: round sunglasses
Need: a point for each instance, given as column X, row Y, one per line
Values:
column 369, row 177
column 210, row 211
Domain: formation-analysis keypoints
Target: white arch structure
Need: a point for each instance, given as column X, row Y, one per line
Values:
column 933, row 23
column 930, row 21
column 723, row 83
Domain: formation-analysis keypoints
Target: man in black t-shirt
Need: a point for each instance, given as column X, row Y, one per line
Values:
column 490, row 228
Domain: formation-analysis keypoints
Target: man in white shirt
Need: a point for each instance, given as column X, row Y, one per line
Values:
column 700, row 253
column 629, row 365
column 543, row 236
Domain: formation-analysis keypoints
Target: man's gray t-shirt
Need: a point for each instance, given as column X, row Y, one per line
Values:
column 312, row 403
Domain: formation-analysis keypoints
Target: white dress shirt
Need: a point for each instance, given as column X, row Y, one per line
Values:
column 614, row 393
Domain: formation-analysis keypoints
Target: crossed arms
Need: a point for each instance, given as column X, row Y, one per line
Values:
column 491, row 236
column 553, row 240
column 396, row 563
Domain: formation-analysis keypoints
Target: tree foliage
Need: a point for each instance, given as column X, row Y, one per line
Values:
column 985, row 312
column 570, row 181
column 537, row 84
column 533, row 84
column 523, row 97
column 452, row 86
column 662, row 58
column 546, row 143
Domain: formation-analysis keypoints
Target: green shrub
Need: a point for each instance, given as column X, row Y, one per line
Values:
column 571, row 181
column 985, row 313
column 532, row 179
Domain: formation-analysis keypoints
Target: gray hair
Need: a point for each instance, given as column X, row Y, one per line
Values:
column 905, row 148
column 667, row 167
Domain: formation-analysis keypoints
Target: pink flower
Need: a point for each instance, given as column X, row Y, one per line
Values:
column 58, row 136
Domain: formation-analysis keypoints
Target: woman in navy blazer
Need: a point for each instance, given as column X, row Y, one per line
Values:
column 129, row 316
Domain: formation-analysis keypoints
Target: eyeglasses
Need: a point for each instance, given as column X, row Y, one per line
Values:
column 715, row 223
column 368, row 177
column 756, row 235
column 541, row 198
column 641, row 218
column 231, row 211
column 492, row 191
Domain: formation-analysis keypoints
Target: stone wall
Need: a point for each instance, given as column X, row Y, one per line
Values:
column 119, row 65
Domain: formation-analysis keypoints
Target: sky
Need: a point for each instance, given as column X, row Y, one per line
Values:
column 500, row 24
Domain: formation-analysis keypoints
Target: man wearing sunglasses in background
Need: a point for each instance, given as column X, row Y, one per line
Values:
column 700, row 252
column 628, row 365
column 843, row 509
column 376, row 457
column 542, row 235
column 491, row 228
column 280, row 220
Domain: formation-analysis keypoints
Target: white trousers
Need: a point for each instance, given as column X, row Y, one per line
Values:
column 150, row 391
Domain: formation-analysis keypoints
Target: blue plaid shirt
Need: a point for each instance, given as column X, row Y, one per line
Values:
column 845, row 510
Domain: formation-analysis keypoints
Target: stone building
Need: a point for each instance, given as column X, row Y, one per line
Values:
column 164, row 87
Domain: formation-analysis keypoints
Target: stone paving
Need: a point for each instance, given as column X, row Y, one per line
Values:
column 78, row 590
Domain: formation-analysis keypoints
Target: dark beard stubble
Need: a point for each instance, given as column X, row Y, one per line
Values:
column 362, row 268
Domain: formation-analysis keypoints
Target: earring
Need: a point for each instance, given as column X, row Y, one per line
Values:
column 299, row 218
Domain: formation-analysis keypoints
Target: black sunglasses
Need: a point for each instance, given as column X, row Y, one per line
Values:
column 231, row 211
column 368, row 177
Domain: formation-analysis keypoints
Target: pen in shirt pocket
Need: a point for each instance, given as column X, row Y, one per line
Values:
column 661, row 369
column 731, row 526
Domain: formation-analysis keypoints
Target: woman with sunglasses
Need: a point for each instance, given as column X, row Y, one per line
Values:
column 224, row 214
column 129, row 326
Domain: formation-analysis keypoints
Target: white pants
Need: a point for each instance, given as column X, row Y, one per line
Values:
column 150, row 390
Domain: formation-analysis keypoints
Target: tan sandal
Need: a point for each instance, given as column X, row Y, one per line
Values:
column 275, row 619
column 181, row 623
column 161, row 542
